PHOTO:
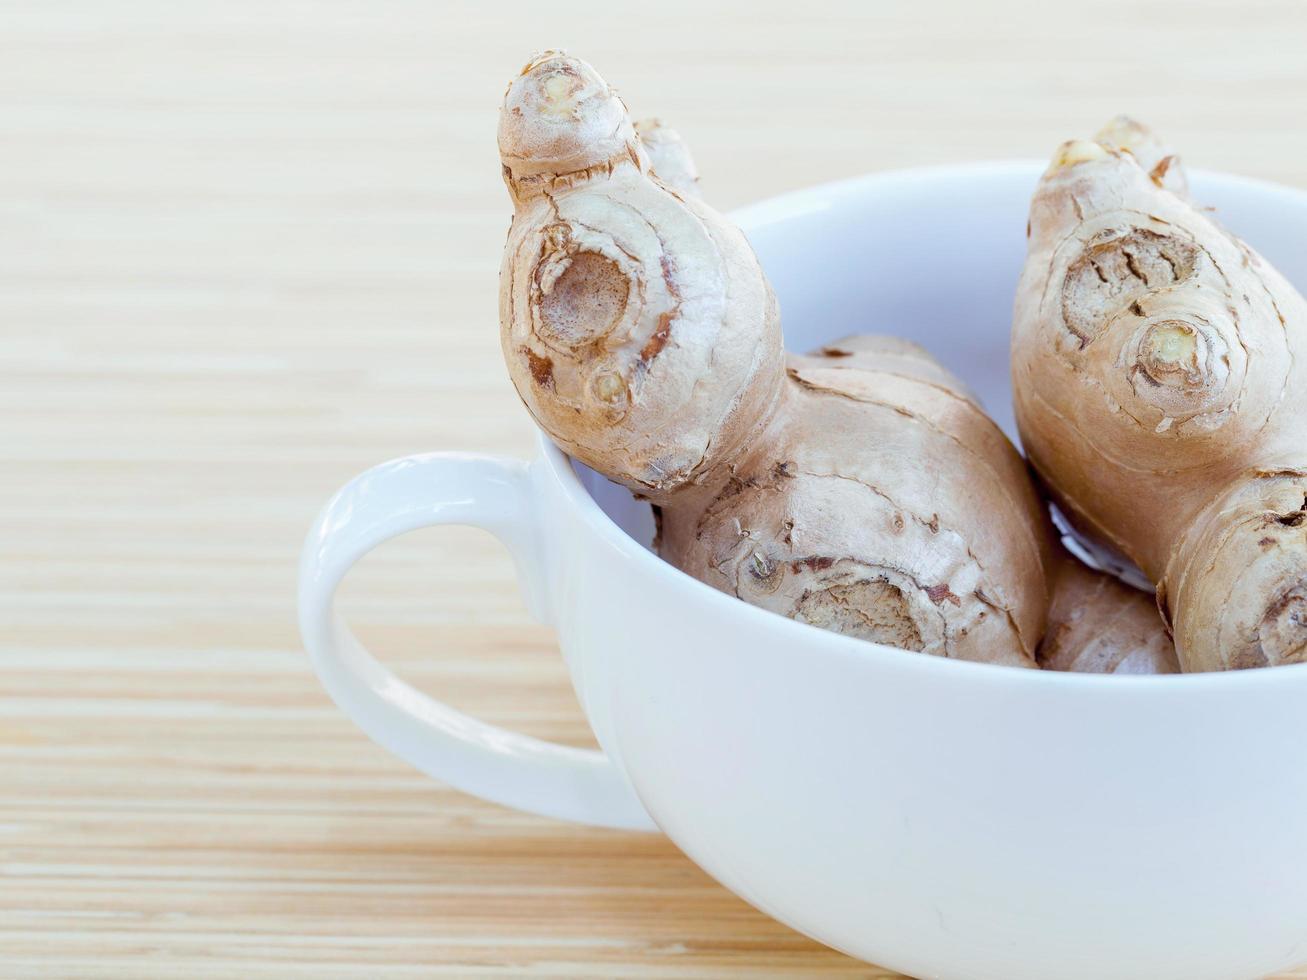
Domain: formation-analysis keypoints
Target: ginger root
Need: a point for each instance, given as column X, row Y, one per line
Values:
column 637, row 324
column 860, row 489
column 1159, row 370
column 1097, row 625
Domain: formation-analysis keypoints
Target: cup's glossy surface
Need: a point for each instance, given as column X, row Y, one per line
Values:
column 945, row 819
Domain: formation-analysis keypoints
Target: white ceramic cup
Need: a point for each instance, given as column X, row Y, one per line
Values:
column 945, row 819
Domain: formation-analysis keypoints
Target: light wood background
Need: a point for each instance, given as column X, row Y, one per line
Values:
column 250, row 248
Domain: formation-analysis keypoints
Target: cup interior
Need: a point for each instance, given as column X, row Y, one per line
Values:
column 934, row 255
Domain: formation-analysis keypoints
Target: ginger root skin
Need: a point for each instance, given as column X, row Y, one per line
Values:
column 860, row 489
column 1159, row 366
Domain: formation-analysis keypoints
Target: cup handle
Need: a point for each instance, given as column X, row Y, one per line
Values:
column 582, row 785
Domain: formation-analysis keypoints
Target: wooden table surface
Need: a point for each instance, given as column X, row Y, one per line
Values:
column 250, row 248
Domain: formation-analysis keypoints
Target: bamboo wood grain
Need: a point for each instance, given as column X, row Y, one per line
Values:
column 248, row 249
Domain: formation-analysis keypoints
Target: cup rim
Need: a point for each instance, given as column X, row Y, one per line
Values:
column 809, row 639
